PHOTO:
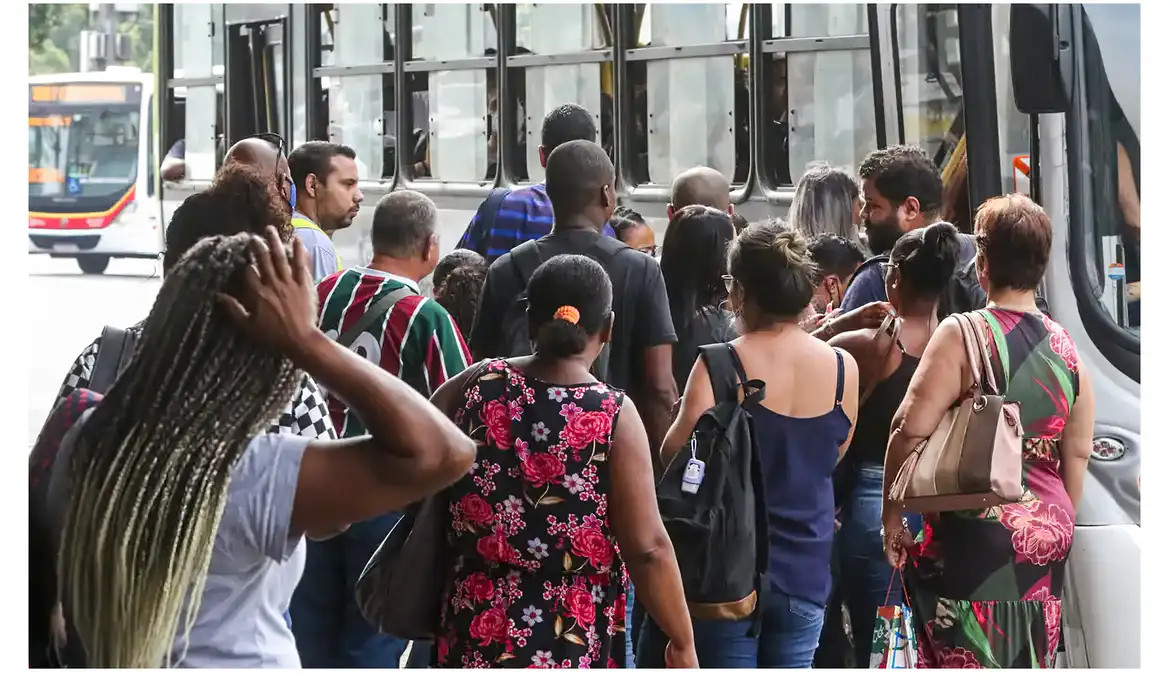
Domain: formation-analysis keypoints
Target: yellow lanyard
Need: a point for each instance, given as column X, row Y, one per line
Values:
column 302, row 222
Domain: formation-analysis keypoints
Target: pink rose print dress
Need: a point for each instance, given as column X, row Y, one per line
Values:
column 537, row 580
column 985, row 585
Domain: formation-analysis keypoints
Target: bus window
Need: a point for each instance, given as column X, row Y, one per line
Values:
column 195, row 61
column 452, row 79
column 358, row 92
column 829, row 91
column 570, row 31
column 930, row 84
column 690, row 110
column 1112, row 96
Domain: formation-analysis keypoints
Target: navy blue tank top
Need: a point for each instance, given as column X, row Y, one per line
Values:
column 798, row 456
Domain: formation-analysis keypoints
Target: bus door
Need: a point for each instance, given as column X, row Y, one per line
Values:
column 256, row 81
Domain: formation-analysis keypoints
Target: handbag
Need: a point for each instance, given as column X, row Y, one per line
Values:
column 400, row 591
column 974, row 458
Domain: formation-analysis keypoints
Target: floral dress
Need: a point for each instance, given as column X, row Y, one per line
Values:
column 537, row 579
column 986, row 584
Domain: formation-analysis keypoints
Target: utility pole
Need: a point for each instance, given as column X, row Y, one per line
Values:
column 107, row 28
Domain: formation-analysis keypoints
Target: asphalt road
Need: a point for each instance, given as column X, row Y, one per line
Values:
column 68, row 310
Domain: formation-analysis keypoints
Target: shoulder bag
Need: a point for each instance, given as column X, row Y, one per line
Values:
column 974, row 458
column 400, row 592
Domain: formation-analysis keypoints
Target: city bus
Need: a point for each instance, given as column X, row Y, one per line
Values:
column 92, row 194
column 447, row 99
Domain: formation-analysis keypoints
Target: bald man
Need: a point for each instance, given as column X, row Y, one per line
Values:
column 700, row 185
column 266, row 156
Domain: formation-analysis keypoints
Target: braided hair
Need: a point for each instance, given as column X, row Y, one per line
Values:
column 152, row 464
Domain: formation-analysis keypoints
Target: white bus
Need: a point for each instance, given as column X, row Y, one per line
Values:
column 92, row 167
column 447, row 99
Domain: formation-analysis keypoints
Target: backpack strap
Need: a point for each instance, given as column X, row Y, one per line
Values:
column 525, row 259
column 725, row 370
column 480, row 228
column 372, row 314
column 114, row 353
column 840, row 376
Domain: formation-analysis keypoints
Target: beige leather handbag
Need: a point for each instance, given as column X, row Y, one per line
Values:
column 974, row 458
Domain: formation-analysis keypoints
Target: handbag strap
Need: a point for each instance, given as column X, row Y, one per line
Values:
column 893, row 326
column 974, row 356
column 978, row 355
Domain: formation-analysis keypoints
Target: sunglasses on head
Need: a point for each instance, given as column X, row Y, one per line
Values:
column 278, row 141
column 273, row 138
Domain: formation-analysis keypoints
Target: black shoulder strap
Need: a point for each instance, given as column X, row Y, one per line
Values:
column 525, row 259
column 840, row 376
column 605, row 249
column 726, row 372
column 114, row 353
column 373, row 313
column 484, row 221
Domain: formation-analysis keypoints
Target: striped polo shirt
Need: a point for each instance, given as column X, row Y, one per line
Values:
column 417, row 340
column 525, row 215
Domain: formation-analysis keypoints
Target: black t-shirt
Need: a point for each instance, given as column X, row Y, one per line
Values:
column 709, row 325
column 641, row 313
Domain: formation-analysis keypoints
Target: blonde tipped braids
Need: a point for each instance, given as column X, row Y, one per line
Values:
column 152, row 465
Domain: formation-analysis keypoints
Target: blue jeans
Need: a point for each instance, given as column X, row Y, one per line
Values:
column 329, row 629
column 788, row 638
column 865, row 573
column 630, row 626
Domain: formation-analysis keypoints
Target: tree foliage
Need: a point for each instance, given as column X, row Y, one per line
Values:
column 54, row 37
column 41, row 18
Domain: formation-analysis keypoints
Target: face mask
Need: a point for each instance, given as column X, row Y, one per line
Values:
column 292, row 195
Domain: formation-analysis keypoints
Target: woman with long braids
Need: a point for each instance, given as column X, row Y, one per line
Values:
column 181, row 526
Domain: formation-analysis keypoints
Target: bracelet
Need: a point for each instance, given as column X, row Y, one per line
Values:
column 905, row 527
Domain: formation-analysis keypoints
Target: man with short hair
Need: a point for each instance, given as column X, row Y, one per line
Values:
column 902, row 191
column 512, row 217
column 328, row 198
column 411, row 336
column 580, row 186
column 837, row 259
column 700, row 185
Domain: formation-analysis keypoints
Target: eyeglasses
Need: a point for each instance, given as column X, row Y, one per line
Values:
column 728, row 282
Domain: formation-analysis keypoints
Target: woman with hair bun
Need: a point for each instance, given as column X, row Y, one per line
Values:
column 802, row 427
column 917, row 275
column 559, row 487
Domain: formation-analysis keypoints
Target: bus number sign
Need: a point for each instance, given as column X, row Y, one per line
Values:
column 80, row 93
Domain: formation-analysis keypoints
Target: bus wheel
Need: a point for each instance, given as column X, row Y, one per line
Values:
column 93, row 264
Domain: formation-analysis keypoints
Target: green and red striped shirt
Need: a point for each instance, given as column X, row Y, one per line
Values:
column 418, row 340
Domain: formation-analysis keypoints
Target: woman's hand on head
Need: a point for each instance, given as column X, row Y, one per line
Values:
column 277, row 305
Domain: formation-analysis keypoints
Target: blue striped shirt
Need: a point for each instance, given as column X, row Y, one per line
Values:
column 526, row 214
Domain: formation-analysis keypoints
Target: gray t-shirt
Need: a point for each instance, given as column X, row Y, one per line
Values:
column 255, row 564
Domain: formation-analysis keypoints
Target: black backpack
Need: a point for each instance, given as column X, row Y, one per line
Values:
column 720, row 529
column 526, row 257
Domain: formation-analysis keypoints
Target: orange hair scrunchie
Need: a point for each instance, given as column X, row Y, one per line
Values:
column 568, row 313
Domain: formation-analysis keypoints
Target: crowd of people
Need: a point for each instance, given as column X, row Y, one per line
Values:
column 216, row 504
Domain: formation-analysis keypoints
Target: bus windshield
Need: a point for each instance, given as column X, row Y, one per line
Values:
column 76, row 153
